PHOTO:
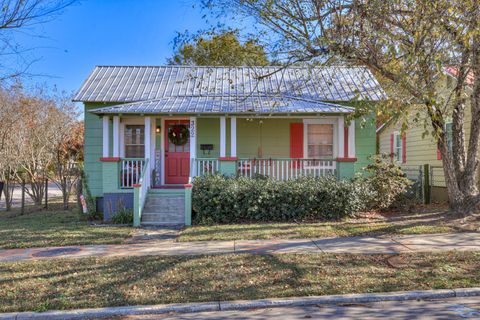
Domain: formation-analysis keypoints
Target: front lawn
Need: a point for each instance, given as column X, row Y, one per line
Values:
column 347, row 228
column 101, row 282
column 55, row 227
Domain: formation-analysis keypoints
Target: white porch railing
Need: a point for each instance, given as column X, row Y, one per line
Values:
column 286, row 169
column 203, row 166
column 130, row 172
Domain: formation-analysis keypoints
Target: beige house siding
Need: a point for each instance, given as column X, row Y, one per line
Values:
column 422, row 150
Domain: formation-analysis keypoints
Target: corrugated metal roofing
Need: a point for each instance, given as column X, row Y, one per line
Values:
column 253, row 104
column 142, row 83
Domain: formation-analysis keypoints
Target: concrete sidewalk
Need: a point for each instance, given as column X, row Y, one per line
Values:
column 169, row 247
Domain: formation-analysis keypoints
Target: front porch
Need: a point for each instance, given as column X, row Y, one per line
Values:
column 162, row 152
column 281, row 148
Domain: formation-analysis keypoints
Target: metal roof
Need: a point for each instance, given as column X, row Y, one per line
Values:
column 142, row 83
column 220, row 104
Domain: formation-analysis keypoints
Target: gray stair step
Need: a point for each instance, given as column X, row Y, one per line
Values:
column 172, row 202
column 160, row 208
column 163, row 219
column 162, row 223
column 157, row 215
column 164, row 209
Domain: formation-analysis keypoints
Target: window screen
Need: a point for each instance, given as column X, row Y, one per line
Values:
column 320, row 140
column 134, row 141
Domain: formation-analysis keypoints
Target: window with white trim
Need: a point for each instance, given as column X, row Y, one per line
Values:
column 449, row 134
column 134, row 141
column 320, row 140
column 397, row 146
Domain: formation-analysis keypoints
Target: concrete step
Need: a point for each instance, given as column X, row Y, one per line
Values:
column 158, row 215
column 164, row 209
column 164, row 201
column 159, row 224
column 162, row 217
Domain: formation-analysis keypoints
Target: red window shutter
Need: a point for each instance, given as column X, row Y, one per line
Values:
column 404, row 148
column 391, row 146
column 296, row 140
column 345, row 142
column 439, row 154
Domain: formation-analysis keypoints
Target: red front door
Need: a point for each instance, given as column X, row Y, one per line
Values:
column 177, row 152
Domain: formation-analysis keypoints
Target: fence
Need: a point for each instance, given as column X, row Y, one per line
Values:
column 417, row 176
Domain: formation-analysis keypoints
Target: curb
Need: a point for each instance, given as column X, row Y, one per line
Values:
column 244, row 304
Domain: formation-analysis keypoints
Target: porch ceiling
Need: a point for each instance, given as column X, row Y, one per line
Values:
column 223, row 105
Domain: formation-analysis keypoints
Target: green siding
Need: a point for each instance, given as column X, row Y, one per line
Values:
column 255, row 138
column 345, row 170
column 93, row 151
column 268, row 138
column 208, row 132
column 365, row 141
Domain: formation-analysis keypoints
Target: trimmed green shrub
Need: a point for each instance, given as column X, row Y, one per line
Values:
column 389, row 184
column 220, row 199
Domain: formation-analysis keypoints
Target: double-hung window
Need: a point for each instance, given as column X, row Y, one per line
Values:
column 449, row 134
column 397, row 147
column 320, row 138
column 134, row 141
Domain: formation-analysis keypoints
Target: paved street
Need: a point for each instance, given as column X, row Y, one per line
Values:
column 53, row 191
column 169, row 247
column 455, row 308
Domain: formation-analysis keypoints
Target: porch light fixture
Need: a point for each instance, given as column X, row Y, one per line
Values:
column 157, row 129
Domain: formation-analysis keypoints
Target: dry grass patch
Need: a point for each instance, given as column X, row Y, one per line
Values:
column 54, row 227
column 307, row 230
column 101, row 282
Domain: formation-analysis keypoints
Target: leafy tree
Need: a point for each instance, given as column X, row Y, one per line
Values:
column 221, row 49
column 408, row 43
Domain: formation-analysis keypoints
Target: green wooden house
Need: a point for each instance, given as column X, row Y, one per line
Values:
column 149, row 130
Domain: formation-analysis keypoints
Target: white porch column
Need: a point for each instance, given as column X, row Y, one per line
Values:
column 153, row 142
column 116, row 136
column 148, row 138
column 106, row 136
column 351, row 140
column 193, row 145
column 233, row 137
column 223, row 137
column 341, row 137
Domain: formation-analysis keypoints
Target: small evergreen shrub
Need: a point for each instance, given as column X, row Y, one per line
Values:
column 388, row 183
column 220, row 199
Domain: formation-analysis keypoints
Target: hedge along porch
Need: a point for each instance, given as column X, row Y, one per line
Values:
column 132, row 154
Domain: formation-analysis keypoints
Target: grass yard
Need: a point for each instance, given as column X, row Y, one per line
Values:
column 55, row 227
column 101, row 282
column 347, row 228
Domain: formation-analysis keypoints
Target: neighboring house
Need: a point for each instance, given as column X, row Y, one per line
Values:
column 149, row 130
column 412, row 148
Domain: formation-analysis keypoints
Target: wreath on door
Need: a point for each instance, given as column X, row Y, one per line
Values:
column 178, row 134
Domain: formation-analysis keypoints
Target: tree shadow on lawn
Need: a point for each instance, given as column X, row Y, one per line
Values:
column 436, row 223
column 68, row 284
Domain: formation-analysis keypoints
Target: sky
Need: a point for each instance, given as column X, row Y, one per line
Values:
column 105, row 32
